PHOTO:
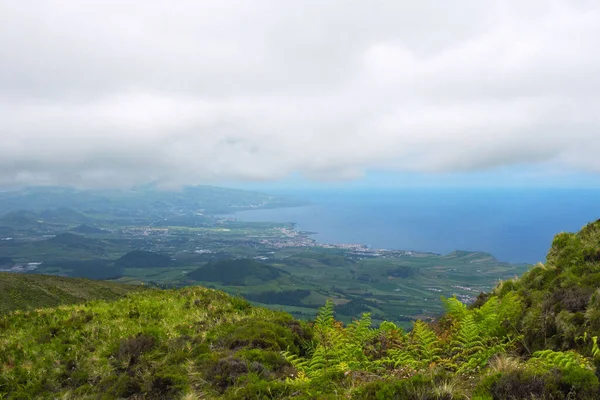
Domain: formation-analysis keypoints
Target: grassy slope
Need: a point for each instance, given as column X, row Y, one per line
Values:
column 26, row 292
column 200, row 343
column 562, row 296
column 156, row 344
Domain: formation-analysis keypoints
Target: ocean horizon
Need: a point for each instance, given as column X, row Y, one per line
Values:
column 514, row 225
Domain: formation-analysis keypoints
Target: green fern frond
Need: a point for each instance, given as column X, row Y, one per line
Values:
column 565, row 360
column 595, row 348
column 455, row 308
column 325, row 319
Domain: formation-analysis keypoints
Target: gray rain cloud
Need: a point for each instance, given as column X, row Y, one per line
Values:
column 111, row 93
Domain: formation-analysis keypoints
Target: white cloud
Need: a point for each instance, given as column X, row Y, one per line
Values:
column 102, row 93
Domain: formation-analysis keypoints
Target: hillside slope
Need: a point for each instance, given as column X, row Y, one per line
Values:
column 561, row 298
column 198, row 343
column 153, row 344
column 27, row 292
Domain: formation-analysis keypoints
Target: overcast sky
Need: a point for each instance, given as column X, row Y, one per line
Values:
column 112, row 93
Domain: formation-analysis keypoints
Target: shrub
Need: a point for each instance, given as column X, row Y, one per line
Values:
column 548, row 375
column 224, row 372
column 256, row 333
column 416, row 388
column 523, row 384
column 580, row 381
column 167, row 384
column 252, row 386
column 271, row 360
column 132, row 348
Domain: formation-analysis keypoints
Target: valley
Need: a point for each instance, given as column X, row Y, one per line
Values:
column 176, row 240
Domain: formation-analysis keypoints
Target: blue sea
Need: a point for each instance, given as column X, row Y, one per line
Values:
column 514, row 225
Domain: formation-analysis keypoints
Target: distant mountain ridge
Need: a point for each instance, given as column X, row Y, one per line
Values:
column 66, row 202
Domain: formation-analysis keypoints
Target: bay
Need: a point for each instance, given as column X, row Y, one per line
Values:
column 514, row 225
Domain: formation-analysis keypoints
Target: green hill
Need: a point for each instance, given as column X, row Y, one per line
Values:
column 144, row 259
column 531, row 338
column 20, row 217
column 235, row 272
column 91, row 269
column 62, row 213
column 27, row 292
column 66, row 244
column 71, row 240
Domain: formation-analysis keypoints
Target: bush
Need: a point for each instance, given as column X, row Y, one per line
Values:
column 253, row 387
column 580, row 381
column 257, row 333
column 167, row 384
column 132, row 348
column 416, row 388
column 539, row 380
column 224, row 372
column 271, row 360
column 523, row 384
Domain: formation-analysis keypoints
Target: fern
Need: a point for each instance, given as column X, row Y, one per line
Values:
column 455, row 308
column 474, row 337
column 469, row 337
column 422, row 349
column 564, row 360
column 401, row 358
column 488, row 318
column 595, row 348
column 424, row 343
column 297, row 362
column 336, row 348
column 358, row 335
column 595, row 351
column 325, row 319
column 480, row 333
column 359, row 331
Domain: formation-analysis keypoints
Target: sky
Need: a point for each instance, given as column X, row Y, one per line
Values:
column 106, row 93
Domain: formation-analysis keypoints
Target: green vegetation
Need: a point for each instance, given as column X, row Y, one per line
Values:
column 144, row 259
column 236, row 272
column 91, row 269
column 561, row 297
column 530, row 338
column 28, row 292
column 174, row 239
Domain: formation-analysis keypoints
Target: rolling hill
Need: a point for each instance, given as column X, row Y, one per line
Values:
column 20, row 217
column 27, row 292
column 144, row 259
column 236, row 272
